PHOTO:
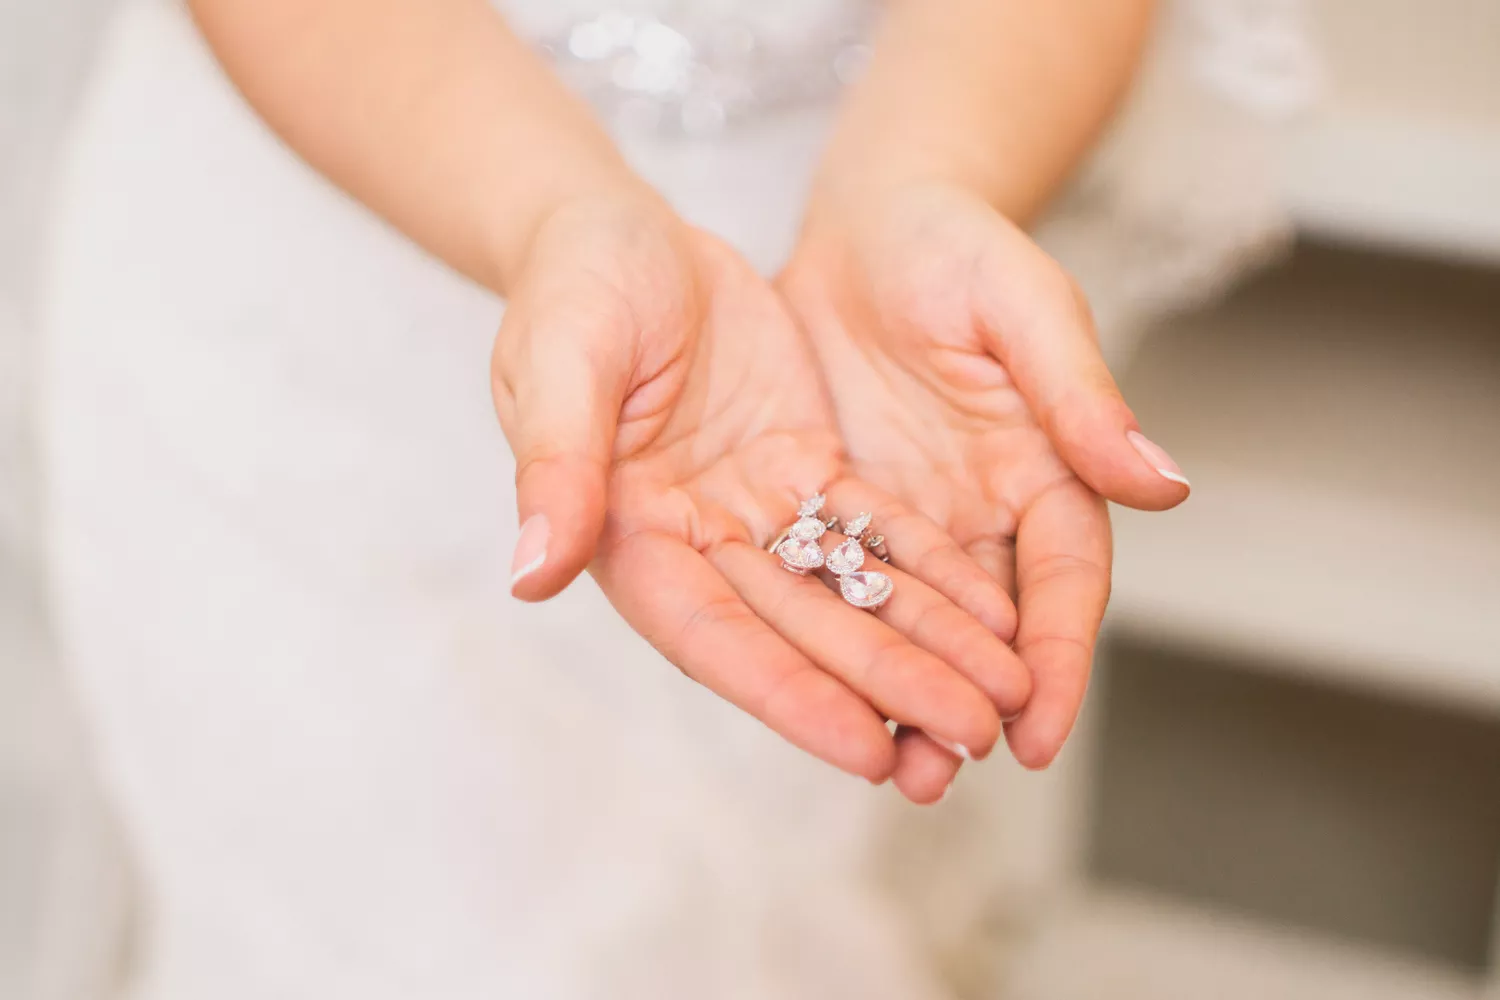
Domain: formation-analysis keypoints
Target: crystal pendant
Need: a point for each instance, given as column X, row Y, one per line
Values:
column 800, row 555
column 857, row 525
column 866, row 589
column 808, row 529
column 848, row 557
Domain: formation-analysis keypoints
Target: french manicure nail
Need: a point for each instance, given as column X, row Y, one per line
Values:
column 531, row 548
column 1157, row 458
column 957, row 749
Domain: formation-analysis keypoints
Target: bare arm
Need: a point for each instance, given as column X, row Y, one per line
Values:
column 430, row 111
column 1002, row 97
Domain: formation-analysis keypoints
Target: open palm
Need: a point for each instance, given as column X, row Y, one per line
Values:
column 668, row 421
column 967, row 381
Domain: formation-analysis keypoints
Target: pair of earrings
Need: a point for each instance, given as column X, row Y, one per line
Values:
column 801, row 553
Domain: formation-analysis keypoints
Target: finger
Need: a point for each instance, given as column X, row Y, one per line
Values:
column 924, row 770
column 997, row 557
column 898, row 679
column 1037, row 322
column 559, row 382
column 1062, row 569
column 668, row 593
column 932, row 622
column 924, row 550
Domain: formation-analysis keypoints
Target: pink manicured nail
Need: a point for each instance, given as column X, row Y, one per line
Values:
column 531, row 548
column 956, row 749
column 1159, row 460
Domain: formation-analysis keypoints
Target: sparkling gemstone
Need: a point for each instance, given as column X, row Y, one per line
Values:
column 808, row 529
column 799, row 555
column 811, row 505
column 661, row 43
column 701, row 70
column 847, row 558
column 866, row 589
column 857, row 525
column 591, row 40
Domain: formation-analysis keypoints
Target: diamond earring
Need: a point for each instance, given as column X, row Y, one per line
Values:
column 862, row 588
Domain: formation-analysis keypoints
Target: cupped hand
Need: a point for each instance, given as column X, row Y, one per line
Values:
column 667, row 417
column 964, row 368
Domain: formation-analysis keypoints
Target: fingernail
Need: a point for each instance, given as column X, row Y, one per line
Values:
column 1159, row 460
column 957, row 749
column 531, row 548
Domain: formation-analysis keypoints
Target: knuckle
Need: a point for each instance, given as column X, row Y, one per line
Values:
column 1063, row 565
column 891, row 664
column 712, row 615
column 935, row 617
column 789, row 689
column 938, row 564
column 1057, row 649
column 796, row 590
column 977, row 590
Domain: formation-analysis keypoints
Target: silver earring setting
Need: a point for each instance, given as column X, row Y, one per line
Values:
column 799, row 550
column 798, row 546
column 862, row 588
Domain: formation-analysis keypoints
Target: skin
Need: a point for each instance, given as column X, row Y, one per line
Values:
column 706, row 423
column 667, row 407
column 961, row 359
column 917, row 338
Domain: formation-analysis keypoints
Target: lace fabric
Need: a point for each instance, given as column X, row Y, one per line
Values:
column 1179, row 201
column 689, row 70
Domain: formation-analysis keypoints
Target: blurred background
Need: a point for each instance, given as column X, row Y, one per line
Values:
column 1292, row 782
column 1288, row 781
column 62, row 875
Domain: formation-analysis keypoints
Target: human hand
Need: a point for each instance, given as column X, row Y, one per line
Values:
column 964, row 368
column 666, row 417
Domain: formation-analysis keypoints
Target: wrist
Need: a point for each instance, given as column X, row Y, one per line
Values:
column 857, row 207
column 861, row 174
column 603, row 189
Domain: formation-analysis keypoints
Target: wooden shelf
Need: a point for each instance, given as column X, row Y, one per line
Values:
column 1403, row 150
column 1340, row 420
column 1337, row 586
column 1405, row 184
column 1135, row 946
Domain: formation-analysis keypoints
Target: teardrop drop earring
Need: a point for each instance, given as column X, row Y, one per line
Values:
column 798, row 546
column 862, row 588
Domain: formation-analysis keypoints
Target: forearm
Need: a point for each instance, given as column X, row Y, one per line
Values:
column 429, row 111
column 1001, row 96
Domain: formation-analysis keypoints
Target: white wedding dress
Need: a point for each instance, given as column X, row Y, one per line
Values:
column 347, row 763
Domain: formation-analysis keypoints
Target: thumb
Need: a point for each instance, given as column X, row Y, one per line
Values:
column 558, row 398
column 1036, row 321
